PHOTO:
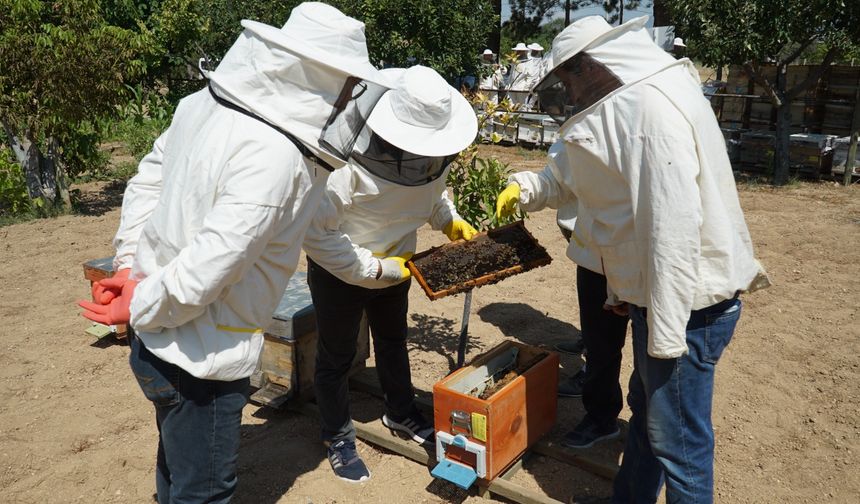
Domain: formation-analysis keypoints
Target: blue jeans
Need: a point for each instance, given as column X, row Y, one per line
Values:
column 198, row 429
column 671, row 438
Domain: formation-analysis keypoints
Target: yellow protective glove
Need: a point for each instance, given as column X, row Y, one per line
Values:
column 393, row 269
column 458, row 228
column 506, row 203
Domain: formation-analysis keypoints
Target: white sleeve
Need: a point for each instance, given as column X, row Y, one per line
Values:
column 327, row 245
column 233, row 237
column 141, row 196
column 667, row 217
column 544, row 189
column 443, row 210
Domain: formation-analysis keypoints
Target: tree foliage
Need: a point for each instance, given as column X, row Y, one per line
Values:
column 615, row 9
column 444, row 35
column 476, row 180
column 527, row 16
column 62, row 66
column 756, row 32
column 66, row 66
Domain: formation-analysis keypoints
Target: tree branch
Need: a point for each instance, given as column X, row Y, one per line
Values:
column 15, row 143
column 813, row 76
column 753, row 69
column 793, row 56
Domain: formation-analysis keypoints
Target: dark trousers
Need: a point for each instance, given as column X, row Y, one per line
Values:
column 198, row 429
column 603, row 333
column 339, row 307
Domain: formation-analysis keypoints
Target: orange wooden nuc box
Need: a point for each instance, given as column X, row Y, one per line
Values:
column 518, row 383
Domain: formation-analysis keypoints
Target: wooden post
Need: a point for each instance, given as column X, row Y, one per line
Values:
column 464, row 330
column 855, row 132
column 852, row 154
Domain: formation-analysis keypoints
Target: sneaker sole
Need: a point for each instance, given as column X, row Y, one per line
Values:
column 399, row 428
column 574, row 396
column 607, row 437
column 566, row 352
column 362, row 480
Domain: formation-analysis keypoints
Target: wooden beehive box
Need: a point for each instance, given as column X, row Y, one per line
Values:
column 509, row 420
column 95, row 270
column 287, row 363
column 540, row 258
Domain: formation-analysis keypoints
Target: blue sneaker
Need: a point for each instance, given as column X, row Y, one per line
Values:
column 346, row 463
column 590, row 432
column 575, row 347
column 572, row 386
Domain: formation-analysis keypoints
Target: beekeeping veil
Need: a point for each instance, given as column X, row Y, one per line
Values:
column 311, row 79
column 417, row 128
column 599, row 59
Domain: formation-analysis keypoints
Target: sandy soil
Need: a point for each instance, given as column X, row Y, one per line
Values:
column 74, row 427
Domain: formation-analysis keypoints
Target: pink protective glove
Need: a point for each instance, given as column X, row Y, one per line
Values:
column 115, row 312
column 106, row 289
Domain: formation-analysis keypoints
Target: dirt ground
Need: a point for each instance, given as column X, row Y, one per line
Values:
column 74, row 426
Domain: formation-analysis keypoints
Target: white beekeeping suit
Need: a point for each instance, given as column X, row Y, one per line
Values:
column 213, row 222
column 374, row 206
column 359, row 241
column 519, row 79
column 493, row 78
column 535, row 70
column 612, row 152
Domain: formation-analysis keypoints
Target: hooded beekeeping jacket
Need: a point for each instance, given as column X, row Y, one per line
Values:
column 365, row 217
column 212, row 224
column 646, row 172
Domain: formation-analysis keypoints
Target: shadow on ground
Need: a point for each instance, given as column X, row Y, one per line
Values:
column 101, row 201
column 438, row 335
column 273, row 454
column 527, row 324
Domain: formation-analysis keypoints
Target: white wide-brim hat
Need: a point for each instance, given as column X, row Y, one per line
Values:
column 679, row 42
column 534, row 46
column 423, row 114
column 319, row 32
column 488, row 51
column 520, row 47
column 585, row 33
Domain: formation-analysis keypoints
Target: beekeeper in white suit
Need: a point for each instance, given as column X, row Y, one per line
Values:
column 518, row 79
column 212, row 226
column 642, row 158
column 537, row 68
column 357, row 245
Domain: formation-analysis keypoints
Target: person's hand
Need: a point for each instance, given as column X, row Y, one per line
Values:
column 622, row 310
column 458, row 228
column 105, row 290
column 506, row 203
column 116, row 311
column 393, row 269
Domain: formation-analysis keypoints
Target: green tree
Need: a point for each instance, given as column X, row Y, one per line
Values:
column 446, row 35
column 527, row 16
column 753, row 32
column 62, row 67
column 615, row 8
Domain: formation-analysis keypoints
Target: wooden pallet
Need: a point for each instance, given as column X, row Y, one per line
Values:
column 375, row 433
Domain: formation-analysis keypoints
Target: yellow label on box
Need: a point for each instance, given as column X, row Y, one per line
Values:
column 479, row 426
